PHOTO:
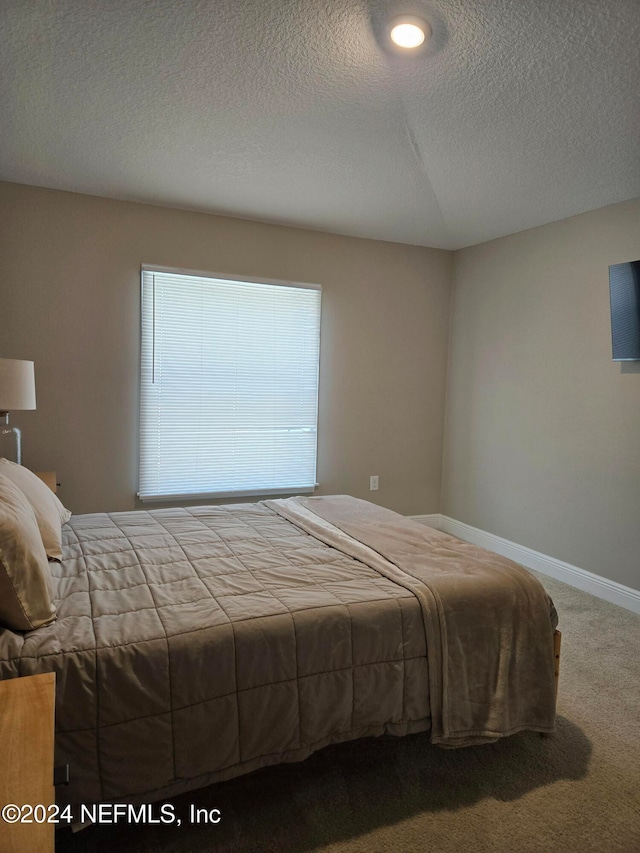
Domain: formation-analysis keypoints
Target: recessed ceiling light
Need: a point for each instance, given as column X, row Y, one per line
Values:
column 409, row 31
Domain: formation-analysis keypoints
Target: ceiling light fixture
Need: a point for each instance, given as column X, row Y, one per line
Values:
column 409, row 31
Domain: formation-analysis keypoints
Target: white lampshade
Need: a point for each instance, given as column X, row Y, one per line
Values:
column 17, row 385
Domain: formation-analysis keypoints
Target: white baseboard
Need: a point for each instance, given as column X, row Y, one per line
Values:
column 433, row 520
column 609, row 590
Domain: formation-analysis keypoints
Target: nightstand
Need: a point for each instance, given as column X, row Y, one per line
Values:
column 26, row 746
column 48, row 477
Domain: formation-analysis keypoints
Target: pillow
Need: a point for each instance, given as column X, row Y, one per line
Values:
column 25, row 598
column 50, row 513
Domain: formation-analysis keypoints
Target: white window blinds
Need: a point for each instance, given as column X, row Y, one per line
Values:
column 229, row 386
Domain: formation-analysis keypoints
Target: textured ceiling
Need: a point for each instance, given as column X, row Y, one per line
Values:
column 519, row 112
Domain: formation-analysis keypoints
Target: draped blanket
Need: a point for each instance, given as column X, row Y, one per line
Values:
column 487, row 620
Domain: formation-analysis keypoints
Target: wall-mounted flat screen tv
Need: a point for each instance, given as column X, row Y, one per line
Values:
column 624, row 290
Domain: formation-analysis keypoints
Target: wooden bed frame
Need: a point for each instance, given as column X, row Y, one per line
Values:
column 557, row 642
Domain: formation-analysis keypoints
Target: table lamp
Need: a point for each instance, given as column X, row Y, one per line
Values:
column 17, row 392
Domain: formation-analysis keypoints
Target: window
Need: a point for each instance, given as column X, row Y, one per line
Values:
column 229, row 386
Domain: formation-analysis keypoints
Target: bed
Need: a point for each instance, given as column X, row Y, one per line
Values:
column 192, row 645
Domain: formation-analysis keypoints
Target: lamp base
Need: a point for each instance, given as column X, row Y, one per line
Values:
column 7, row 429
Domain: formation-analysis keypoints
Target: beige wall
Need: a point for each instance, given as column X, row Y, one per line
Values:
column 543, row 429
column 69, row 300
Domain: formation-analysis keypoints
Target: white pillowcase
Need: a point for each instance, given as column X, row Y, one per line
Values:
column 49, row 511
column 25, row 596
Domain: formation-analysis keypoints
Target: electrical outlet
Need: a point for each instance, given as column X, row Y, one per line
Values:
column 373, row 483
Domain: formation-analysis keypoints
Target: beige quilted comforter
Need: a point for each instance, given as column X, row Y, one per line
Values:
column 196, row 644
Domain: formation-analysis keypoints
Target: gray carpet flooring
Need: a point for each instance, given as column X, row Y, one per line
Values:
column 576, row 791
